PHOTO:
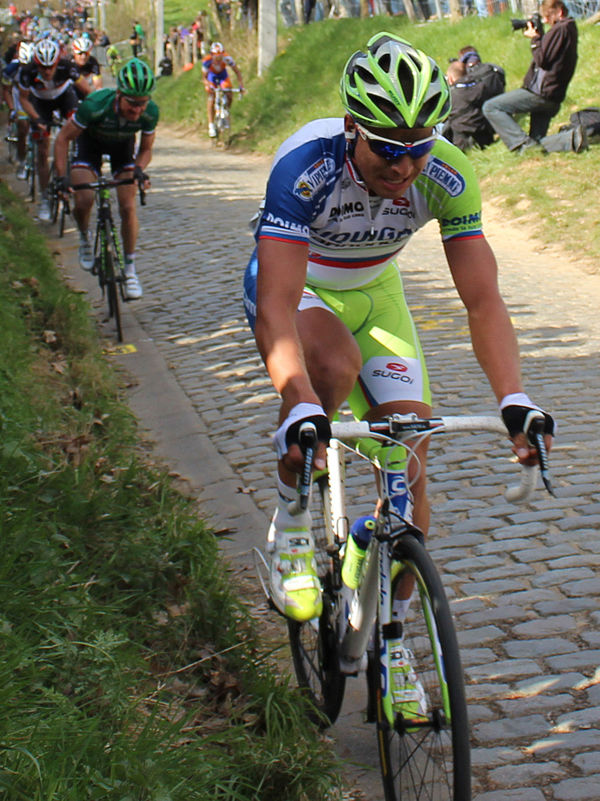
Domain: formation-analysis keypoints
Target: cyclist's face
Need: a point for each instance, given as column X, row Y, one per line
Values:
column 81, row 58
column 132, row 108
column 47, row 73
column 388, row 179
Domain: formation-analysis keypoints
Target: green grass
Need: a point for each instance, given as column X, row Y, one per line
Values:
column 552, row 194
column 128, row 667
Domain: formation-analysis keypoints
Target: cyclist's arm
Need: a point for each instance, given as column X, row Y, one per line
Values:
column 82, row 86
column 96, row 82
column 27, row 105
column 238, row 74
column 144, row 156
column 474, row 270
column 68, row 133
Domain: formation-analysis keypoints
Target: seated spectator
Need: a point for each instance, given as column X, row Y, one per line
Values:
column 553, row 60
column 471, row 84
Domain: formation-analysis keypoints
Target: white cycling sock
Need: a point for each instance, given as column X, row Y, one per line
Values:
column 129, row 264
column 400, row 610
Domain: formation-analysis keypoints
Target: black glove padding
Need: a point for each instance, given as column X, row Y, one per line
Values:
column 320, row 422
column 139, row 175
column 515, row 418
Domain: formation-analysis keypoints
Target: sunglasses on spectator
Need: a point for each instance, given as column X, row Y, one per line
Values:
column 135, row 103
column 392, row 150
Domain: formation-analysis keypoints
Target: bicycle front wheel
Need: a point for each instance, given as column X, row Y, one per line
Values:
column 314, row 644
column 430, row 760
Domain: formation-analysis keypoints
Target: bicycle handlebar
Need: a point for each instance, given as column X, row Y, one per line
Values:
column 402, row 427
column 107, row 182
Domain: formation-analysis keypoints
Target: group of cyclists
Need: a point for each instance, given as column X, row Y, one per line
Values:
column 323, row 291
column 47, row 83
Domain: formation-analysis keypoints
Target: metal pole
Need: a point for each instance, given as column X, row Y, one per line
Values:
column 159, row 35
column 267, row 33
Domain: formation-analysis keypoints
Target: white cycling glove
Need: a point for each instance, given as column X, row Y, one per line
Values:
column 515, row 408
column 288, row 432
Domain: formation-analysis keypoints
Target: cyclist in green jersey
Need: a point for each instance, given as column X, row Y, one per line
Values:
column 107, row 122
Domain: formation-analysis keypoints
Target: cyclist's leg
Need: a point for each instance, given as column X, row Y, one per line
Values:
column 333, row 362
column 122, row 164
column 393, row 377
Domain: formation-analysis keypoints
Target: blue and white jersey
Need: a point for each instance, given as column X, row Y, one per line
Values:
column 315, row 195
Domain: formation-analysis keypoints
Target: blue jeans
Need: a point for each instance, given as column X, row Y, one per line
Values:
column 499, row 110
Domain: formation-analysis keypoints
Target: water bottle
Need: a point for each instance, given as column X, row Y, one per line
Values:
column 360, row 535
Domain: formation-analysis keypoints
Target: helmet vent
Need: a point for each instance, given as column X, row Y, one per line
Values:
column 407, row 81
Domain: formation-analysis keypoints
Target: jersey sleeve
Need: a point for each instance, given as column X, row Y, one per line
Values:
column 296, row 190
column 150, row 118
column 452, row 193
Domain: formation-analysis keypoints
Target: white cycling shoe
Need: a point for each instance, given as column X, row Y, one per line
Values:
column 133, row 288
column 86, row 255
column 294, row 583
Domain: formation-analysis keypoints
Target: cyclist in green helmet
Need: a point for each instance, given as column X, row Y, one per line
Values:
column 107, row 122
column 324, row 297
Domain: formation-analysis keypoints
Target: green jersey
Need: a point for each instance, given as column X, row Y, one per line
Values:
column 98, row 116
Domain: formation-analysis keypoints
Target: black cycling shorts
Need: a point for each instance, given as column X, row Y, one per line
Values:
column 89, row 152
column 65, row 104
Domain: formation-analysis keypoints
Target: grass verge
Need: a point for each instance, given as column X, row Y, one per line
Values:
column 128, row 669
column 552, row 194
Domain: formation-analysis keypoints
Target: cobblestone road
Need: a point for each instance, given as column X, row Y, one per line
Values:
column 524, row 582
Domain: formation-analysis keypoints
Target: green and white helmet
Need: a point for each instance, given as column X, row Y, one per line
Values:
column 394, row 85
column 135, row 78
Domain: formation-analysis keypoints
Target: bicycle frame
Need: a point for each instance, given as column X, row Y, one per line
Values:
column 374, row 591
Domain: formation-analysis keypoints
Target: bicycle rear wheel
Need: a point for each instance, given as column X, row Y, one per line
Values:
column 314, row 644
column 430, row 761
column 52, row 194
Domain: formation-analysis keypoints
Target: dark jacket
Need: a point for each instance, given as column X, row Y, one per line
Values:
column 466, row 125
column 554, row 59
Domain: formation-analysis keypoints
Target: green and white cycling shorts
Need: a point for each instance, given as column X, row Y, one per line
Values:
column 380, row 321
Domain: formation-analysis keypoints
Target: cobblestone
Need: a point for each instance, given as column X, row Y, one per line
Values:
column 195, row 223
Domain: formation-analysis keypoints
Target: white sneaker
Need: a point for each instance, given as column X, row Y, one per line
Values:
column 295, row 586
column 22, row 171
column 408, row 694
column 212, row 131
column 133, row 288
column 86, row 254
column 44, row 210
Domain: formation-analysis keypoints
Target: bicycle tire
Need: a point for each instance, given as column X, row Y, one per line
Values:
column 432, row 761
column 52, row 195
column 12, row 139
column 112, row 292
column 63, row 215
column 31, row 171
column 314, row 644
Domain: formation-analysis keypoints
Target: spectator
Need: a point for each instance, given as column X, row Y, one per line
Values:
column 545, row 84
column 471, row 84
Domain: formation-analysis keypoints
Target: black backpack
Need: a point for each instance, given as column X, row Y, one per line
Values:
column 588, row 118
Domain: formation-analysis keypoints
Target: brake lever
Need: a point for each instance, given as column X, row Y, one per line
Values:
column 307, row 437
column 534, row 429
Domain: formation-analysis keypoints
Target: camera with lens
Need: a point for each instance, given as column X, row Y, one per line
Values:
column 536, row 21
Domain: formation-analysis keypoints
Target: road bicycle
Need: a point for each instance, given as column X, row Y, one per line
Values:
column 424, row 755
column 12, row 140
column 109, row 264
column 222, row 114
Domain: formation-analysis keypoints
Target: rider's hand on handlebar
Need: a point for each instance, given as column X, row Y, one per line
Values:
column 140, row 176
column 287, row 437
column 515, row 410
column 61, row 184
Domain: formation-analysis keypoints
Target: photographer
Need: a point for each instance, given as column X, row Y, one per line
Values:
column 545, row 84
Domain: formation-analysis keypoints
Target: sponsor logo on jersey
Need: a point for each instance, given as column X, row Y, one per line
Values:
column 350, row 209
column 287, row 224
column 443, row 174
column 403, row 211
column 401, row 201
column 313, row 178
column 395, row 371
column 466, row 219
column 343, row 238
